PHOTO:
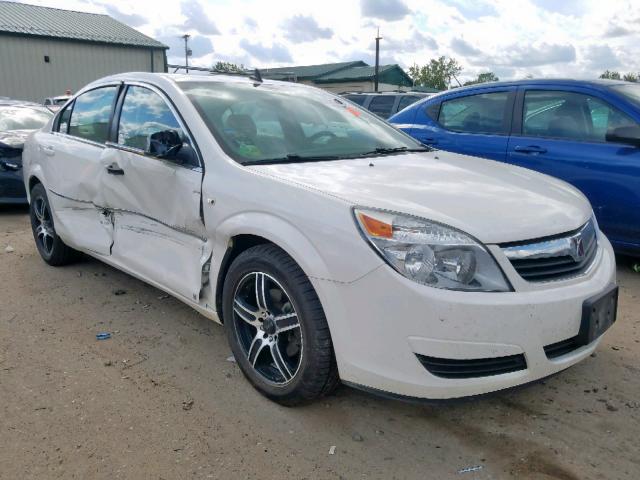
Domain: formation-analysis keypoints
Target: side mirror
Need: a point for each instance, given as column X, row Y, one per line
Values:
column 164, row 144
column 626, row 135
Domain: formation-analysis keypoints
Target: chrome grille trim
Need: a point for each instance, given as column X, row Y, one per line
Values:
column 554, row 258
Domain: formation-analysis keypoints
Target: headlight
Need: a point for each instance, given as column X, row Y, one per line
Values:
column 431, row 253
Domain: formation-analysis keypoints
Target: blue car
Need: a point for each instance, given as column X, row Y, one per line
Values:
column 584, row 132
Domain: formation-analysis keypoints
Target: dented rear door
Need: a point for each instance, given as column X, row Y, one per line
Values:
column 156, row 203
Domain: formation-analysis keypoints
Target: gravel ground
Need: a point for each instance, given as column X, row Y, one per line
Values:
column 160, row 400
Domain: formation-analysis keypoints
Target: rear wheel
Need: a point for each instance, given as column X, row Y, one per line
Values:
column 276, row 327
column 51, row 248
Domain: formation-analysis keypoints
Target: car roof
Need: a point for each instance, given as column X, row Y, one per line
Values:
column 5, row 102
column 164, row 78
column 533, row 82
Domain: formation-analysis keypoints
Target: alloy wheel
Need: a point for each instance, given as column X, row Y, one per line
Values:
column 45, row 233
column 268, row 328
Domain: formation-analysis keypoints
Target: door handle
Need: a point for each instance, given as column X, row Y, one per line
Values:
column 529, row 149
column 430, row 140
column 114, row 170
column 48, row 150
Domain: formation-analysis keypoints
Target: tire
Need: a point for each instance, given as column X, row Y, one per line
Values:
column 306, row 368
column 50, row 246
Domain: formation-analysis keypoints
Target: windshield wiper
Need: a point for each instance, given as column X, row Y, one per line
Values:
column 392, row 150
column 294, row 158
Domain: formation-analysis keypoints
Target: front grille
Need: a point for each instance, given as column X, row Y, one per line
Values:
column 479, row 367
column 559, row 349
column 554, row 258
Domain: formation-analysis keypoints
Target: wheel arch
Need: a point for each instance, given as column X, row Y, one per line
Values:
column 250, row 229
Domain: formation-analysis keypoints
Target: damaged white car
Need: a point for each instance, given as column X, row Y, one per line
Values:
column 332, row 246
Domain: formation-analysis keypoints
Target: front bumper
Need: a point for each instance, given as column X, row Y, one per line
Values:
column 12, row 189
column 381, row 322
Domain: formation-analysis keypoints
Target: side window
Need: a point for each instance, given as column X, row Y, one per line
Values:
column 144, row 112
column 90, row 114
column 47, row 101
column 382, row 105
column 63, row 122
column 605, row 118
column 407, row 100
column 359, row 99
column 482, row 113
column 556, row 114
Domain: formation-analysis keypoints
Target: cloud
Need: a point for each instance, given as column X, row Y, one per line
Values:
column 197, row 18
column 460, row 46
column 600, row 57
column 563, row 7
column 131, row 19
column 251, row 23
column 614, row 31
column 389, row 10
column 519, row 55
column 473, row 9
column 417, row 42
column 304, row 28
column 198, row 44
column 276, row 53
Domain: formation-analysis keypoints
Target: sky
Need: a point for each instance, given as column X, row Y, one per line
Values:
column 512, row 38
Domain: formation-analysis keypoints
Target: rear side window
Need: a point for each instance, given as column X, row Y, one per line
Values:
column 406, row 101
column 382, row 105
column 91, row 112
column 569, row 115
column 359, row 99
column 482, row 113
column 144, row 112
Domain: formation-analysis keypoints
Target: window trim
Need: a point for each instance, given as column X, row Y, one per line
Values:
column 507, row 121
column 116, row 113
column 55, row 127
column 557, row 88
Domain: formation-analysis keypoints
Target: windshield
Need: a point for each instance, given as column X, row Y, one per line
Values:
column 271, row 123
column 630, row 92
column 22, row 118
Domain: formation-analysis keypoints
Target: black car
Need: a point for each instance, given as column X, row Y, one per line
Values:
column 385, row 104
column 17, row 121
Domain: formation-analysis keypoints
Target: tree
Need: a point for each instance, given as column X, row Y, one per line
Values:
column 483, row 78
column 436, row 74
column 611, row 75
column 229, row 67
column 627, row 77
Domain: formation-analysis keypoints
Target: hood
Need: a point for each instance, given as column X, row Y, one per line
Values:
column 494, row 202
column 14, row 138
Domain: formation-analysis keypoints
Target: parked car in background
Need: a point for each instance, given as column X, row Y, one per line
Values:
column 331, row 245
column 54, row 103
column 584, row 132
column 17, row 121
column 385, row 104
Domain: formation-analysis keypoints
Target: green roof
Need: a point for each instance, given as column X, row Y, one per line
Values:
column 307, row 72
column 391, row 74
column 23, row 19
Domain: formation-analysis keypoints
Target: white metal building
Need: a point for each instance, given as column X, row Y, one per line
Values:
column 46, row 51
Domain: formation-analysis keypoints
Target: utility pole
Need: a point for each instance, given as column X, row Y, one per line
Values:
column 378, row 38
column 186, row 51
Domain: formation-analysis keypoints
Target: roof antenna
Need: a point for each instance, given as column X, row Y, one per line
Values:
column 257, row 77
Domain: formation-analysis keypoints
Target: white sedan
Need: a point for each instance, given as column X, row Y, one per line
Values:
column 332, row 246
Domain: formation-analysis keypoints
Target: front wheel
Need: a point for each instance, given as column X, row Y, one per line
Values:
column 276, row 327
column 50, row 246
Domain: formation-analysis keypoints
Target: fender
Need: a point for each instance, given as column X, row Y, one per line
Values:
column 274, row 229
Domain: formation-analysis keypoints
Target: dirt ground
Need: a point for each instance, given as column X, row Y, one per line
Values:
column 160, row 400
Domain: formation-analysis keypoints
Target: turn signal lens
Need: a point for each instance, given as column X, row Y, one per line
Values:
column 376, row 228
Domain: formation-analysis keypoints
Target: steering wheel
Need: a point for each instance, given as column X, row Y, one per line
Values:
column 323, row 133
